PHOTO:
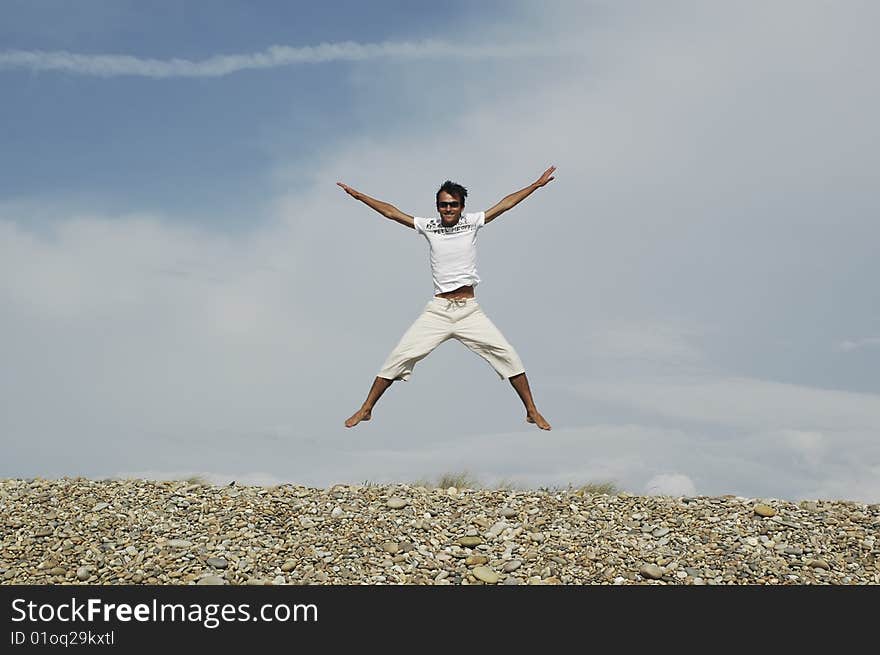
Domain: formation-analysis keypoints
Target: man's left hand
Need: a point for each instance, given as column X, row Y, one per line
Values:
column 546, row 177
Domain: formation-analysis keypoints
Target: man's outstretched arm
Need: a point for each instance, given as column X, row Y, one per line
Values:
column 514, row 198
column 388, row 211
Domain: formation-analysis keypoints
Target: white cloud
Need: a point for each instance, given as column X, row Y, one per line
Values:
column 671, row 484
column 273, row 57
column 647, row 340
column 858, row 344
column 811, row 446
column 740, row 402
column 131, row 323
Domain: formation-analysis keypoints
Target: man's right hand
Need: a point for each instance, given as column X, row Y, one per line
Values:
column 349, row 190
column 388, row 211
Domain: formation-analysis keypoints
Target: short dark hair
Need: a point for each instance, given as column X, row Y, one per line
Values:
column 453, row 189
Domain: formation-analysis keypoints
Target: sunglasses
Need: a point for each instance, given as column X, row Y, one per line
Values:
column 453, row 205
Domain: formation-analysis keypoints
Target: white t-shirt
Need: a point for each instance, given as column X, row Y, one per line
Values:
column 453, row 250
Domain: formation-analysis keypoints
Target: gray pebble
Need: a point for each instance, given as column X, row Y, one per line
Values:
column 651, row 571
column 211, row 580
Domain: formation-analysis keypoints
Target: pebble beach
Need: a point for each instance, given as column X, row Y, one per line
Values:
column 108, row 532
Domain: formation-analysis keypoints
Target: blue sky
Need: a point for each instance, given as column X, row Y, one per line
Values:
column 110, row 143
column 186, row 291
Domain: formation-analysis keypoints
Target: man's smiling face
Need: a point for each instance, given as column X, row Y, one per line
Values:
column 450, row 208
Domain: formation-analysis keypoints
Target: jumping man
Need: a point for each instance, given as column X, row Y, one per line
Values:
column 453, row 312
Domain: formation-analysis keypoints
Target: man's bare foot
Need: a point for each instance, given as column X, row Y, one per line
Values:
column 536, row 418
column 357, row 417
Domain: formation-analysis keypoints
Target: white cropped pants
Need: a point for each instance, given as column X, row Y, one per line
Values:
column 445, row 319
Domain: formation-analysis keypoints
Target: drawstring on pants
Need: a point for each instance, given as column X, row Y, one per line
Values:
column 455, row 302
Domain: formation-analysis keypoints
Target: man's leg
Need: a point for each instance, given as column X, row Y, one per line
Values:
column 521, row 385
column 428, row 331
column 363, row 414
column 481, row 336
